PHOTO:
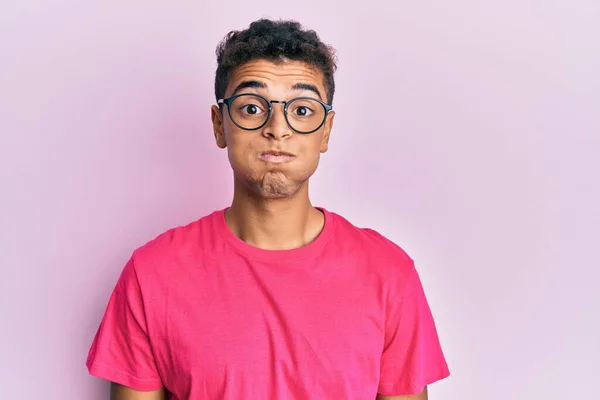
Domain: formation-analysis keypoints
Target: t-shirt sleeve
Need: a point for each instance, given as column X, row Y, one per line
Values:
column 412, row 357
column 121, row 351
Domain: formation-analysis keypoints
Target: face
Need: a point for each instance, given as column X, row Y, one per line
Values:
column 273, row 161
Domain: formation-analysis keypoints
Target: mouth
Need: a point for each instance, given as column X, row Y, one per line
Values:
column 276, row 157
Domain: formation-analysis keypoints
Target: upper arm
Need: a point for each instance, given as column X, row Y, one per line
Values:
column 120, row 392
column 122, row 351
column 412, row 357
column 420, row 396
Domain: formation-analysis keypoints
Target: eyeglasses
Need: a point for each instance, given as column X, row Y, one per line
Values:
column 250, row 112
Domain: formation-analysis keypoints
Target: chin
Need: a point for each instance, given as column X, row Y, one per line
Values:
column 271, row 184
column 276, row 188
column 271, row 195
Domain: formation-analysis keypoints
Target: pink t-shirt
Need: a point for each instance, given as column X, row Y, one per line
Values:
column 208, row 316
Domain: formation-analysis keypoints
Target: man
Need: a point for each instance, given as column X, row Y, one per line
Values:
column 270, row 298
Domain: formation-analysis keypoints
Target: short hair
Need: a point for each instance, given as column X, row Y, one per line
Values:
column 275, row 41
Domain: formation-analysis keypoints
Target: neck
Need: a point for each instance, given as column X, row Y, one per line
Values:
column 274, row 224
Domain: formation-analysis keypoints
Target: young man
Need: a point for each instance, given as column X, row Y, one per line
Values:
column 270, row 298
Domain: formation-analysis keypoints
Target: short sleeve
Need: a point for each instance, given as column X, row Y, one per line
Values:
column 121, row 351
column 412, row 357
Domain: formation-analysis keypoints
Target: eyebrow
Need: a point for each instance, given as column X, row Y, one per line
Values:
column 249, row 84
column 305, row 86
column 261, row 85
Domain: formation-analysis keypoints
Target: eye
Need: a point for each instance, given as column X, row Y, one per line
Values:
column 251, row 109
column 302, row 111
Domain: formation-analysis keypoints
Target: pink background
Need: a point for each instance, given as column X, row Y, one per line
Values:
column 467, row 131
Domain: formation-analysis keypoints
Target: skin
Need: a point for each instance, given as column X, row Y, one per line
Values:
column 119, row 392
column 271, row 208
column 420, row 396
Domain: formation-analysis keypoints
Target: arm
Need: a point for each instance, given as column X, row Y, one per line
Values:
column 412, row 357
column 120, row 392
column 421, row 396
column 121, row 352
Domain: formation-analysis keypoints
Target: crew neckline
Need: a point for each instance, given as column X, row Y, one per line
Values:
column 307, row 250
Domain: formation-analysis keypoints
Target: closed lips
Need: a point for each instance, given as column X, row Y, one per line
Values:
column 276, row 156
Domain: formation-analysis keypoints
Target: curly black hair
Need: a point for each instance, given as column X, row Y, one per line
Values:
column 275, row 41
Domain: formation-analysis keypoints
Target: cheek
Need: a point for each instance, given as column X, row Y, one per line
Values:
column 242, row 148
column 311, row 152
column 316, row 144
column 236, row 138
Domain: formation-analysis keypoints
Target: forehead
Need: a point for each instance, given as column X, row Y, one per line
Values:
column 281, row 75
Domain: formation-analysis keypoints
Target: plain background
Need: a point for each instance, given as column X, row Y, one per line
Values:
column 467, row 131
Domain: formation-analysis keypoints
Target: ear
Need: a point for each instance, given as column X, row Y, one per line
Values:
column 327, row 131
column 217, row 120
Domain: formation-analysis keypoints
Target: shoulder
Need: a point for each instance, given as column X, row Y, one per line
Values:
column 177, row 245
column 370, row 244
column 381, row 258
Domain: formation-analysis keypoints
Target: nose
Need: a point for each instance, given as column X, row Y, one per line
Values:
column 277, row 126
